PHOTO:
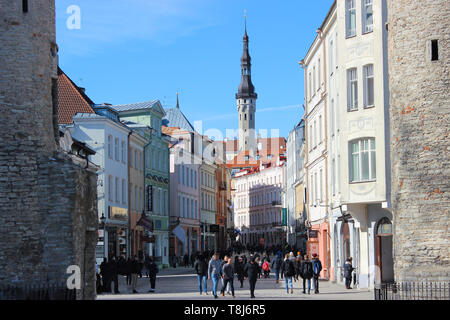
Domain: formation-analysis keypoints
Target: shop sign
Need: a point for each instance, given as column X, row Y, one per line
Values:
column 116, row 213
column 313, row 233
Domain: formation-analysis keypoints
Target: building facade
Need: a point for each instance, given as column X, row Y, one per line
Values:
column 316, row 162
column 103, row 132
column 156, row 160
column 257, row 205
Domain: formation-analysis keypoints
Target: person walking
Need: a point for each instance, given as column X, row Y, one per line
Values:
column 224, row 262
column 348, row 269
column 215, row 272
column 288, row 270
column 152, row 271
column 228, row 277
column 266, row 269
column 298, row 263
column 134, row 271
column 251, row 272
column 239, row 269
column 276, row 265
column 317, row 267
column 105, row 273
column 306, row 272
column 125, row 266
column 114, row 274
column 201, row 269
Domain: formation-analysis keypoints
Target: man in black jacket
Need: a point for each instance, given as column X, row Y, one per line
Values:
column 239, row 269
column 201, row 269
column 306, row 272
column 251, row 271
column 288, row 270
column 112, row 266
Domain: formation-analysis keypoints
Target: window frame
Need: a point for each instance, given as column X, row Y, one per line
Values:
column 371, row 167
column 349, row 13
column 365, row 27
column 352, row 105
column 366, row 78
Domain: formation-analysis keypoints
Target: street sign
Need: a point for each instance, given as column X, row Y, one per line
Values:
column 284, row 217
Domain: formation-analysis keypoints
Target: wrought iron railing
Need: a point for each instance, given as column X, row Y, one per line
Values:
column 413, row 291
column 39, row 291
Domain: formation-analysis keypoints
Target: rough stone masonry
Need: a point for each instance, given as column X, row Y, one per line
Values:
column 420, row 140
column 48, row 205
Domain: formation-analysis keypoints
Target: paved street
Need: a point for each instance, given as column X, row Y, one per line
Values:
column 181, row 283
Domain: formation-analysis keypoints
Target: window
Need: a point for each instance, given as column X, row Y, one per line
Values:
column 309, row 86
column 136, row 159
column 110, row 188
column 331, row 52
column 131, row 158
column 363, row 163
column 131, row 197
column 25, row 6
column 245, row 117
column 321, row 185
column 434, row 50
column 136, row 198
column 195, row 179
column 179, row 206
column 192, row 178
column 315, row 133
column 117, row 190
column 310, row 137
column 314, row 80
column 332, row 117
column 367, row 16
column 110, row 146
column 352, row 90
column 183, row 171
column 333, row 176
column 320, row 129
column 368, row 85
column 123, row 152
column 116, row 144
column 124, row 193
column 319, row 76
column 350, row 17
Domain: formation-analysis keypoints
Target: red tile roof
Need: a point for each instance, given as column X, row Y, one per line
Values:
column 71, row 99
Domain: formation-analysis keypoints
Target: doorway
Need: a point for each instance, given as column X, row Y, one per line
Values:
column 383, row 251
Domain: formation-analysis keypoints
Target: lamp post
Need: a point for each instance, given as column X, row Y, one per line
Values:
column 102, row 227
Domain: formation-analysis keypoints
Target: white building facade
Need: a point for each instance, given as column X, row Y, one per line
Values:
column 109, row 138
column 257, row 205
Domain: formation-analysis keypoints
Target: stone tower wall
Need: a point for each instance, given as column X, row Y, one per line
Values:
column 48, row 209
column 420, row 138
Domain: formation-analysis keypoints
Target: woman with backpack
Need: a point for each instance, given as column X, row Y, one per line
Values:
column 288, row 270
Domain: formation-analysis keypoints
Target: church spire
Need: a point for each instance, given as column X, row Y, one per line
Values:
column 246, row 88
column 178, row 104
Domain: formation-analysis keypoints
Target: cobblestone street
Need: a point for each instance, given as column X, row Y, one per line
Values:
column 181, row 284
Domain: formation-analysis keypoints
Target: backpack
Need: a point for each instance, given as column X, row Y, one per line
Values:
column 266, row 266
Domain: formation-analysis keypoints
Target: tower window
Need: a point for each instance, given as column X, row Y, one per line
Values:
column 245, row 117
column 25, row 6
column 434, row 50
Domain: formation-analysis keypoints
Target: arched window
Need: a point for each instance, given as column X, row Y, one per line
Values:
column 384, row 226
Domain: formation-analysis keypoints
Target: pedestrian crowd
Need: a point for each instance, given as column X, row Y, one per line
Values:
column 131, row 268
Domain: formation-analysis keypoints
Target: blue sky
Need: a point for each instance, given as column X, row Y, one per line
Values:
column 138, row 50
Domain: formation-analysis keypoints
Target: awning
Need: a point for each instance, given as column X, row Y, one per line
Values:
column 146, row 223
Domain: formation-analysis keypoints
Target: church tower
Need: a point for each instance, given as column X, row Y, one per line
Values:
column 246, row 102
